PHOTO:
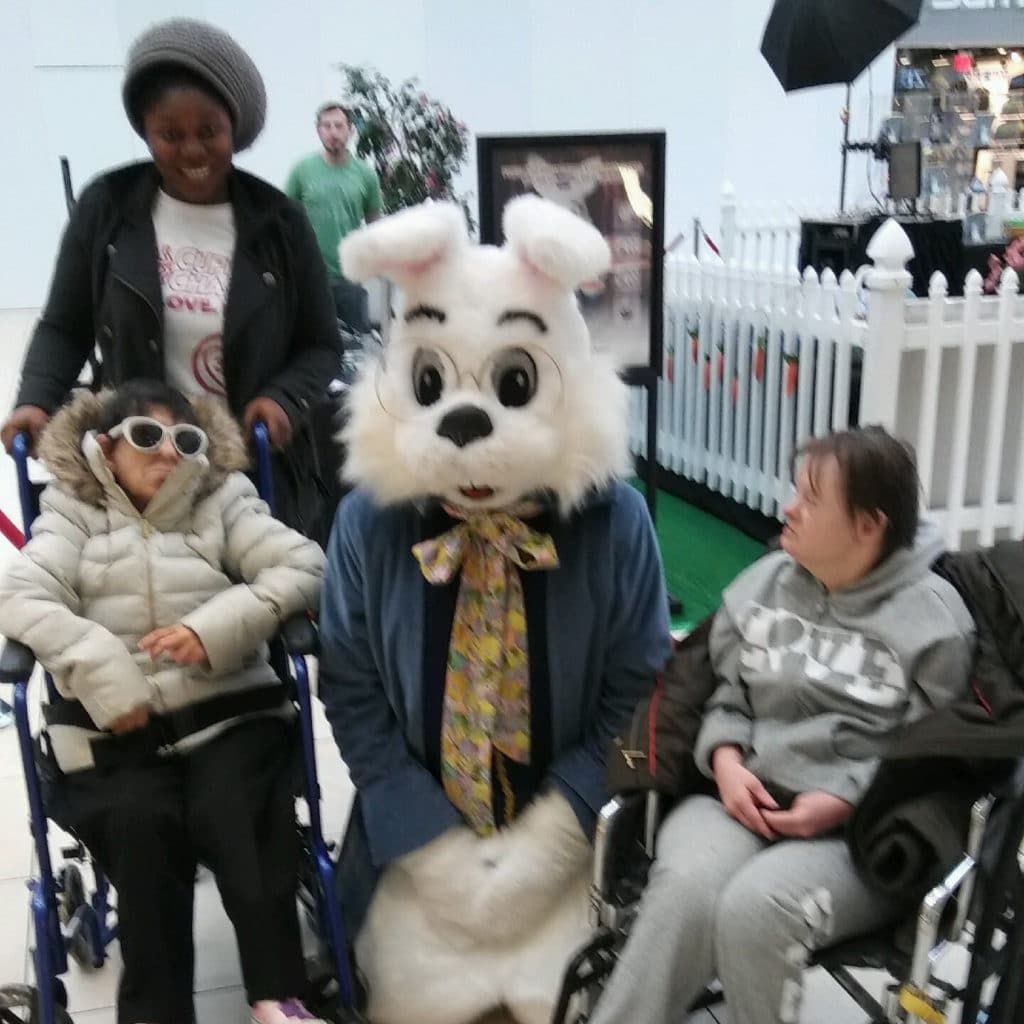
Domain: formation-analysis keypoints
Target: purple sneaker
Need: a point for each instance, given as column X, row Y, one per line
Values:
column 287, row 1010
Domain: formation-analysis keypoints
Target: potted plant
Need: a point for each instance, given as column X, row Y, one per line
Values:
column 415, row 143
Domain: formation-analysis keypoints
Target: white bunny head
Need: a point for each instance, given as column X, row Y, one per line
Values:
column 488, row 391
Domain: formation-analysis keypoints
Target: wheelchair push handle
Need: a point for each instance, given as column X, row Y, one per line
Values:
column 21, row 449
column 16, row 662
column 300, row 636
column 264, row 474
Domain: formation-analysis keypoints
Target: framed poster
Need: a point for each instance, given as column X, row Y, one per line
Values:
column 615, row 181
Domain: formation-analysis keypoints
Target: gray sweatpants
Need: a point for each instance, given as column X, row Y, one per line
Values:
column 723, row 902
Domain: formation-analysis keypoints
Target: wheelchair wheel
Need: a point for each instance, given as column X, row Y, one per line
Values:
column 71, row 890
column 585, row 978
column 998, row 941
column 19, row 1004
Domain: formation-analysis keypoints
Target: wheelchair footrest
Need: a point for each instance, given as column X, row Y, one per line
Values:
column 323, row 997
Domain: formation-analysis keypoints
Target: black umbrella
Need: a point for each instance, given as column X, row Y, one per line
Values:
column 830, row 42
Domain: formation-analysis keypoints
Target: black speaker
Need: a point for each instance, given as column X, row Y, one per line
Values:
column 828, row 244
column 905, row 170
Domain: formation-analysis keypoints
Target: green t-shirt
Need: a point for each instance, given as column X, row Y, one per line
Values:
column 337, row 199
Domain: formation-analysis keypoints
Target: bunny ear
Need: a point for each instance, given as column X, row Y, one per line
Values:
column 405, row 244
column 554, row 242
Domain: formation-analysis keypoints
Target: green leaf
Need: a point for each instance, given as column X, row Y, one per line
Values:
column 415, row 142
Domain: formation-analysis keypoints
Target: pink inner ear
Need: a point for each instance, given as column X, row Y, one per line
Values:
column 539, row 276
column 410, row 268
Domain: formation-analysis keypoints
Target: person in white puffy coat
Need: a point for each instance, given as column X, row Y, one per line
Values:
column 154, row 579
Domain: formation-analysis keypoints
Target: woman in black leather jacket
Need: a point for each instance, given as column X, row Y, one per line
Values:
column 189, row 270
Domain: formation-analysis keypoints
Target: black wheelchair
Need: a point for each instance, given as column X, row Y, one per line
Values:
column 979, row 904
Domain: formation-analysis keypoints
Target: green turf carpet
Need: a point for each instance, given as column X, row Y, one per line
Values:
column 702, row 555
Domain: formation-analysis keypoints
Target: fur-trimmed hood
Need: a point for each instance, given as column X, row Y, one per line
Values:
column 99, row 575
column 65, row 451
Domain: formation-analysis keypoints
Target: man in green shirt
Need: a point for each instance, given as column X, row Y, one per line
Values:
column 339, row 192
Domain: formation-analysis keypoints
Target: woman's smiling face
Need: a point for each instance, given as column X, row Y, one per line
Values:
column 190, row 137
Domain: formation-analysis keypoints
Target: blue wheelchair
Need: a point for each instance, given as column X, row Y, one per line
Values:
column 69, row 921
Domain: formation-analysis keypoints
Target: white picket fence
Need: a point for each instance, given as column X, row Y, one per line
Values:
column 1001, row 202
column 765, row 235
column 948, row 374
column 756, row 361
column 984, row 215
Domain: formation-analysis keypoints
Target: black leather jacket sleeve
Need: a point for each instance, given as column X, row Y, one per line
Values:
column 314, row 346
column 64, row 335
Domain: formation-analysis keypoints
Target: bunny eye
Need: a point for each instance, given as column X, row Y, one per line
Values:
column 427, row 377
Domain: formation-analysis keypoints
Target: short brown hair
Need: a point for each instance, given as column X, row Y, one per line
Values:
column 139, row 397
column 879, row 474
column 332, row 105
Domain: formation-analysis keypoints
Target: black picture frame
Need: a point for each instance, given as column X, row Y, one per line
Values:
column 568, row 163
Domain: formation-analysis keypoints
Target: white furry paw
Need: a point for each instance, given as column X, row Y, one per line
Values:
column 542, row 852
column 447, row 872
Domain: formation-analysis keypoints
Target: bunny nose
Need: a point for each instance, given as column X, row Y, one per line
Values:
column 464, row 424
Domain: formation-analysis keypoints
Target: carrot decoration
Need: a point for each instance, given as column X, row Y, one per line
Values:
column 760, row 354
column 792, row 373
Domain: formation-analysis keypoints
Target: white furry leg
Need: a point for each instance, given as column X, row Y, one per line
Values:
column 535, row 969
column 421, row 972
column 464, row 925
column 416, row 973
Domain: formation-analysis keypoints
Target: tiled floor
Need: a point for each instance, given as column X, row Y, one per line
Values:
column 219, row 997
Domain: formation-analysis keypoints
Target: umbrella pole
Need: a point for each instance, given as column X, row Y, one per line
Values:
column 846, row 143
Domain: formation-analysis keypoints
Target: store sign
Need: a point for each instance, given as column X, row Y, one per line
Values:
column 976, row 5
column 952, row 24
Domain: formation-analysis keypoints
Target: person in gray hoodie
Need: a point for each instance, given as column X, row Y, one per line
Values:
column 821, row 649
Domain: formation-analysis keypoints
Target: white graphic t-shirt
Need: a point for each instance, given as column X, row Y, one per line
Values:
column 195, row 247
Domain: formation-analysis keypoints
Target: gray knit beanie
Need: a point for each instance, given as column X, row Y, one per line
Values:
column 210, row 54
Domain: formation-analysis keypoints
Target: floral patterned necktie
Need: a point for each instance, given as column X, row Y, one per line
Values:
column 487, row 685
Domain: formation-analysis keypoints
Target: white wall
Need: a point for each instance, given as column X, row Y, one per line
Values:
column 691, row 68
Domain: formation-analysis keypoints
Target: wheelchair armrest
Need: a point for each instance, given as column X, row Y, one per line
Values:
column 16, row 663
column 975, row 837
column 609, row 834
column 930, row 917
column 300, row 636
column 979, row 819
column 625, row 830
column 959, row 883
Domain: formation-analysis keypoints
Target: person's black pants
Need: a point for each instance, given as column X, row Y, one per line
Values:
column 229, row 805
column 305, row 476
column 351, row 303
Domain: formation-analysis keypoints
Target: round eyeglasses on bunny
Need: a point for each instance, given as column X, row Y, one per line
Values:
column 515, row 377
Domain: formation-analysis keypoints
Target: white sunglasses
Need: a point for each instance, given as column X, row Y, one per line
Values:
column 147, row 434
